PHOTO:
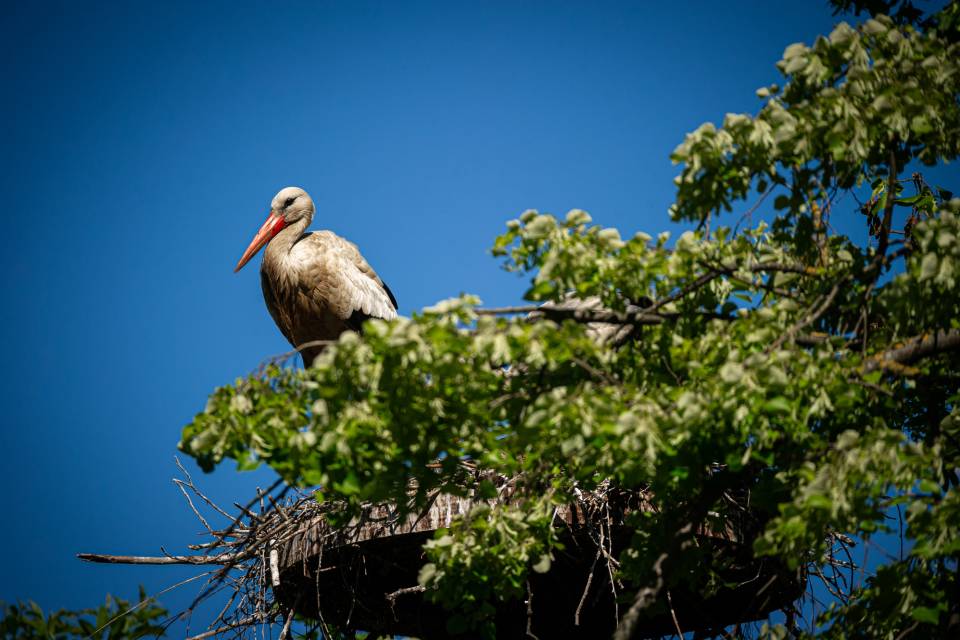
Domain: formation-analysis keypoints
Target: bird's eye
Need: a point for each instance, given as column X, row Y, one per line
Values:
column 288, row 202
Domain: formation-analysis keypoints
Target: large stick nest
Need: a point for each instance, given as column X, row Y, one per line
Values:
column 281, row 557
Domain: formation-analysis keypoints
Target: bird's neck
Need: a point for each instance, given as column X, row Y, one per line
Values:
column 283, row 242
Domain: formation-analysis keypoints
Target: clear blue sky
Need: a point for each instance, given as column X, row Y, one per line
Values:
column 144, row 141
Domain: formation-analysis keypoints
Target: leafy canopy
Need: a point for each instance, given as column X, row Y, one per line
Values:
column 817, row 369
column 115, row 619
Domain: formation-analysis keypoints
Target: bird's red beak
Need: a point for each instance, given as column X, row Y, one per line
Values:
column 270, row 228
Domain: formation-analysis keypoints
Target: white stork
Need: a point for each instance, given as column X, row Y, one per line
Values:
column 316, row 285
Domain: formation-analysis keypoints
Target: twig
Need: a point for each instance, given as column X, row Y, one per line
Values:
column 276, row 507
column 586, row 590
column 286, row 625
column 530, row 633
column 143, row 602
column 197, row 491
column 673, row 614
column 289, row 354
column 749, row 212
column 180, row 485
column 392, row 597
column 246, row 510
column 903, row 634
column 212, row 632
column 593, row 371
column 690, row 287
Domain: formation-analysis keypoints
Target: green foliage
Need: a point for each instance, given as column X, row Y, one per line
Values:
column 485, row 560
column 854, row 102
column 109, row 621
column 782, row 358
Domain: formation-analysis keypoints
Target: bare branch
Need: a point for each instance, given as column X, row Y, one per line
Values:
column 392, row 597
column 246, row 622
column 580, row 315
column 223, row 558
column 644, row 599
column 277, row 359
column 286, row 625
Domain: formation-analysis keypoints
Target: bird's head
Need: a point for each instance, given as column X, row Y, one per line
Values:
column 290, row 205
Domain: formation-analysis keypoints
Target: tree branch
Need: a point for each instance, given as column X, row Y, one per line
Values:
column 224, row 558
column 644, row 598
column 810, row 318
column 690, row 287
column 581, row 315
column 916, row 348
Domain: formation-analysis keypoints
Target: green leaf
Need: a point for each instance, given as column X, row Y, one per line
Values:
column 928, row 486
column 543, row 565
column 928, row 266
column 909, row 201
column 928, row 615
column 778, row 404
column 819, row 501
column 350, row 484
column 487, row 490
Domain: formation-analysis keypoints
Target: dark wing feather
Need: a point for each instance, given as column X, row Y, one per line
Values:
column 393, row 298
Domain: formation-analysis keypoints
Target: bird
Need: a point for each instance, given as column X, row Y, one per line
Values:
column 316, row 284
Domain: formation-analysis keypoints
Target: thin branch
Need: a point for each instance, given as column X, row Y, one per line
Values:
column 633, row 315
column 182, row 486
column 246, row 510
column 644, row 599
column 586, row 590
column 690, row 287
column 903, row 634
column 810, row 318
column 289, row 354
column 647, row 315
column 747, row 215
column 286, row 625
column 673, row 614
column 530, row 633
column 224, row 558
column 392, row 597
column 199, row 493
column 246, row 622
column 887, row 213
column 875, row 268
column 784, row 268
column 145, row 601
column 580, row 315
column 594, row 372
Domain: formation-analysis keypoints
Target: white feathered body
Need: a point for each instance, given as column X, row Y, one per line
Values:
column 317, row 286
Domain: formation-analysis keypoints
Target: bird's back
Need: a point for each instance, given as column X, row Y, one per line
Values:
column 322, row 288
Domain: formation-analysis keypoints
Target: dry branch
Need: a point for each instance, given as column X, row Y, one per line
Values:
column 221, row 559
